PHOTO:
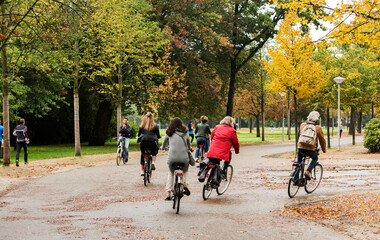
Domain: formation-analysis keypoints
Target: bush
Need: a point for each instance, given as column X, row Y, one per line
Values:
column 135, row 129
column 372, row 135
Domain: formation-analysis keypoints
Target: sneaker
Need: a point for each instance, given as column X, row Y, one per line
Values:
column 186, row 190
column 197, row 160
column 126, row 160
column 153, row 166
column 17, row 164
column 26, row 163
column 142, row 173
column 168, row 196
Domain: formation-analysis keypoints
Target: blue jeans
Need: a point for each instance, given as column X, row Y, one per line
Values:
column 312, row 154
column 201, row 141
column 126, row 145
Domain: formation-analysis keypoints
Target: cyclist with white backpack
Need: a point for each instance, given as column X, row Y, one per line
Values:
column 308, row 136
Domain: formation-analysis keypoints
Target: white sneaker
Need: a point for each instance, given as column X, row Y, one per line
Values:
column 142, row 173
column 197, row 160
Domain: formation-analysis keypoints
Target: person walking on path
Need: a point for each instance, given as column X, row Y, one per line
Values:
column 190, row 126
column 310, row 150
column 202, row 134
column 22, row 139
column 125, row 134
column 148, row 138
column 176, row 136
column 340, row 130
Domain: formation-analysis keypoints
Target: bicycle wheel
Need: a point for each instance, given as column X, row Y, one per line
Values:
column 149, row 171
column 207, row 189
column 292, row 188
column 145, row 176
column 177, row 196
column 225, row 181
column 202, row 153
column 118, row 158
column 316, row 177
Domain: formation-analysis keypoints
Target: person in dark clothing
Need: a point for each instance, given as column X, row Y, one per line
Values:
column 125, row 134
column 202, row 134
column 21, row 134
column 190, row 126
column 148, row 138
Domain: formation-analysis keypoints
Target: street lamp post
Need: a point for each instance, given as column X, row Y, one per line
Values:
column 339, row 80
column 283, row 124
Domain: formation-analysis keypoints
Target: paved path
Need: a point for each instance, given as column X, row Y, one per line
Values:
column 110, row 202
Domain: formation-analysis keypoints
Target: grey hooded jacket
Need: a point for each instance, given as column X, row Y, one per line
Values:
column 177, row 149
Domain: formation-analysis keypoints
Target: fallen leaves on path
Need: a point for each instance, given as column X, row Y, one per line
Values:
column 355, row 210
column 364, row 206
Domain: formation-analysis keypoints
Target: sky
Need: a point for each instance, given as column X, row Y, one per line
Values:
column 318, row 34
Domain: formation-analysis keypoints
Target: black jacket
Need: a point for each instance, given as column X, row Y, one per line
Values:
column 125, row 132
column 21, row 133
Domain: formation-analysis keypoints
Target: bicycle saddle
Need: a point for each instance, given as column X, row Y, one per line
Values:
column 178, row 166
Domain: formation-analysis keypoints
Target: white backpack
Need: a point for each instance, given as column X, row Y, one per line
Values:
column 308, row 135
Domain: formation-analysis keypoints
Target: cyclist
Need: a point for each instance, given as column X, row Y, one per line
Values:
column 223, row 137
column 125, row 134
column 202, row 134
column 310, row 151
column 190, row 126
column 178, row 152
column 148, row 138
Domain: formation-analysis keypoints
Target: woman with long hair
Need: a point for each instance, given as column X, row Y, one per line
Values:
column 148, row 138
column 179, row 143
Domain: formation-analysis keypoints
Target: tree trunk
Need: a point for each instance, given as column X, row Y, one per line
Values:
column 289, row 126
column 233, row 70
column 76, row 101
column 352, row 124
column 351, row 130
column 258, row 125
column 103, row 118
column 328, row 127
column 4, row 63
column 373, row 111
column 250, row 125
column 295, row 119
column 119, row 99
column 263, row 127
column 231, row 91
column 360, row 117
column 332, row 130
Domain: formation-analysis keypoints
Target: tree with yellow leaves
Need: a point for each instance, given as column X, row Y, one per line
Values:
column 292, row 68
column 169, row 95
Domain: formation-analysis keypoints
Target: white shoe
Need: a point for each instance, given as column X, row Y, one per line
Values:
column 142, row 173
column 197, row 160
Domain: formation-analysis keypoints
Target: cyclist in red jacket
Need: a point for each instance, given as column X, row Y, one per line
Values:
column 223, row 137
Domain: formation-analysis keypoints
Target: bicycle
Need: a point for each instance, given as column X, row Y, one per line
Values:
column 178, row 188
column 222, row 183
column 120, row 153
column 147, row 166
column 201, row 151
column 298, row 179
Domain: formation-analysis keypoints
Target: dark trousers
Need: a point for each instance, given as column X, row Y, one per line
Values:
column 192, row 137
column 19, row 146
column 312, row 154
column 152, row 146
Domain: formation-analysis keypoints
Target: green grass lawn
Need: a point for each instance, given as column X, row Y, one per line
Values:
column 67, row 150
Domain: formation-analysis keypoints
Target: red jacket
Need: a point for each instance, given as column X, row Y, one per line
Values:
column 223, row 137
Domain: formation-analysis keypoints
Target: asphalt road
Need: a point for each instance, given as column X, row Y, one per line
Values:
column 111, row 202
